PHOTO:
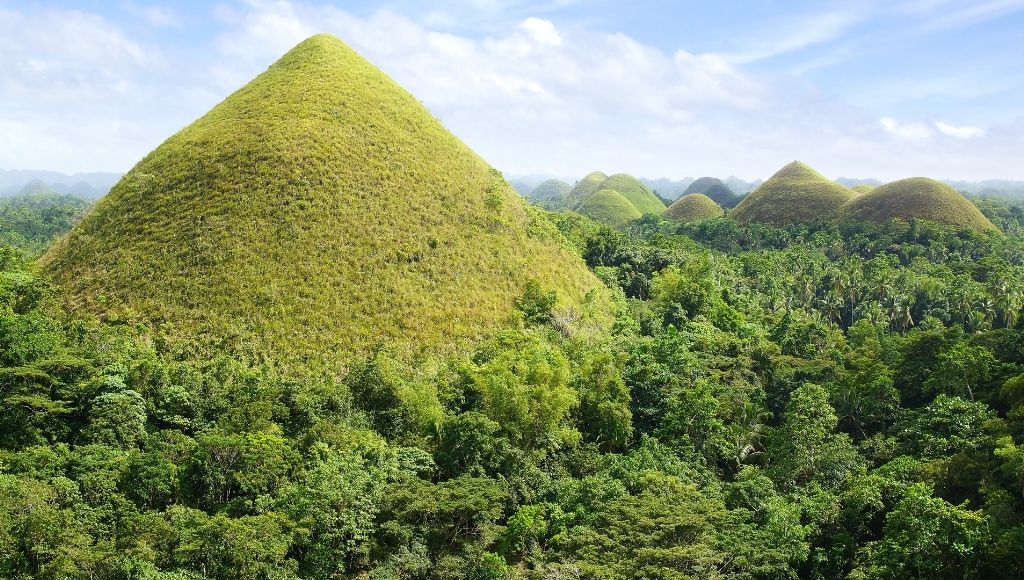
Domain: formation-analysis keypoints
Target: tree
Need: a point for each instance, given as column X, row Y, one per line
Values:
column 117, row 419
column 806, row 448
column 926, row 537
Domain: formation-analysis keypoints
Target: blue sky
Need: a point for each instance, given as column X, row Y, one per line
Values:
column 884, row 89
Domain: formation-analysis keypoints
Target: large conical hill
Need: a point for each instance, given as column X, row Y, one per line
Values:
column 316, row 214
column 694, row 207
column 917, row 198
column 796, row 193
column 609, row 207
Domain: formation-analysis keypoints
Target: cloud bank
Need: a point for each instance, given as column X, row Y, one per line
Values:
column 535, row 97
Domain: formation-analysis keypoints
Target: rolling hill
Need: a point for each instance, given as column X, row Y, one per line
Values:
column 916, row 198
column 609, row 207
column 716, row 190
column 796, row 193
column 316, row 214
column 638, row 194
column 693, row 208
column 584, row 187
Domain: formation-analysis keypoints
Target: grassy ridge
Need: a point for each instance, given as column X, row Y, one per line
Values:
column 609, row 207
column 693, row 208
column 796, row 193
column 551, row 190
column 916, row 198
column 317, row 212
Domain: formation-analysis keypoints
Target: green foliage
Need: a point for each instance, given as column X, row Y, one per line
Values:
column 30, row 222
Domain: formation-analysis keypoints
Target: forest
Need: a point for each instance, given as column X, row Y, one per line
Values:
column 809, row 401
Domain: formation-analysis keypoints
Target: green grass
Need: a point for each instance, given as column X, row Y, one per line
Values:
column 318, row 212
column 638, row 194
column 609, row 207
column 862, row 188
column 694, row 207
column 796, row 193
column 916, row 198
column 584, row 188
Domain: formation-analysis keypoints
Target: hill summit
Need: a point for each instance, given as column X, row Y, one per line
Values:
column 318, row 212
column 694, row 207
column 917, row 198
column 796, row 193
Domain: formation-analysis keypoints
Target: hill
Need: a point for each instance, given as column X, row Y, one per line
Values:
column 796, row 193
column 638, row 194
column 584, row 187
column 716, row 190
column 917, row 198
column 693, row 208
column 551, row 190
column 703, row 184
column 315, row 214
column 609, row 207
column 862, row 188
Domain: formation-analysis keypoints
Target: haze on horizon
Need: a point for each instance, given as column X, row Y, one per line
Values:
column 563, row 87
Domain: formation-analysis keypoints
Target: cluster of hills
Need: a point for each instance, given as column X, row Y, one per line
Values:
column 83, row 185
column 317, row 213
column 614, row 200
column 795, row 194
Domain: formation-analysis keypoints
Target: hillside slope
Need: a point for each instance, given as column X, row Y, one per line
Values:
column 609, row 207
column 317, row 213
column 920, row 198
column 796, row 193
column 694, row 207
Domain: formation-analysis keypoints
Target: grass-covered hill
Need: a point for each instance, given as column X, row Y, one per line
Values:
column 862, row 188
column 717, row 190
column 796, row 193
column 703, row 184
column 638, row 194
column 317, row 213
column 609, row 207
column 916, row 198
column 584, row 187
column 694, row 207
column 552, row 190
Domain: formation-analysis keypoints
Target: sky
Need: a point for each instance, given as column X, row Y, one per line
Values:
column 656, row 88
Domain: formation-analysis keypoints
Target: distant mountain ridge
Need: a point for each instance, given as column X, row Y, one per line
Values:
column 87, row 185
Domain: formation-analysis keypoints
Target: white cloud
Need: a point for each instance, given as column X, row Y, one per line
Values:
column 962, row 132
column 905, row 130
column 536, row 95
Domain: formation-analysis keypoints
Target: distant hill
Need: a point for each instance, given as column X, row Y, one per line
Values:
column 796, row 193
column 715, row 189
column 862, row 188
column 551, row 190
column 920, row 198
column 693, row 208
column 741, row 187
column 609, row 207
column 853, row 182
column 317, row 214
column 669, row 189
column 86, row 185
column 642, row 198
column 584, row 187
